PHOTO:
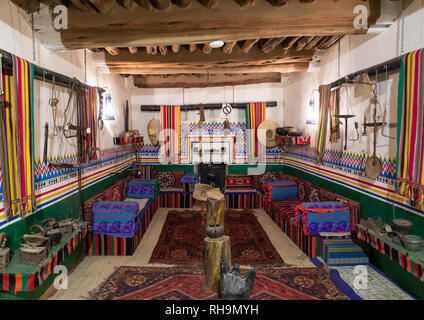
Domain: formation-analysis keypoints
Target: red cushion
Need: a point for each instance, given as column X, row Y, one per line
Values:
column 236, row 181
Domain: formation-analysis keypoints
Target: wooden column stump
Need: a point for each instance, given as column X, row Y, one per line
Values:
column 215, row 211
column 216, row 250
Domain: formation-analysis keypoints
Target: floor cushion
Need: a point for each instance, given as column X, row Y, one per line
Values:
column 140, row 188
column 280, row 190
column 116, row 218
column 316, row 217
column 343, row 252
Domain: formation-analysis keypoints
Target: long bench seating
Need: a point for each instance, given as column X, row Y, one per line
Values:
column 282, row 212
column 103, row 244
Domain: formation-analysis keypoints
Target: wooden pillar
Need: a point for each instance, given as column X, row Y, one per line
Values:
column 216, row 250
column 215, row 211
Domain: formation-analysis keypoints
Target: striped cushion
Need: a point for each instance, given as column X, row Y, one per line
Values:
column 239, row 182
column 115, row 218
column 138, row 188
column 317, row 217
column 343, row 252
column 280, row 190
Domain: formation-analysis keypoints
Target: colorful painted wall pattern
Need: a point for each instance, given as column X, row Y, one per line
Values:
column 53, row 184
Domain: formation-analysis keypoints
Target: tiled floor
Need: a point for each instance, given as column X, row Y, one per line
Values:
column 377, row 287
column 92, row 271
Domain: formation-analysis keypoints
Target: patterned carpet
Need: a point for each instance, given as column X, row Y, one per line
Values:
column 182, row 239
column 187, row 283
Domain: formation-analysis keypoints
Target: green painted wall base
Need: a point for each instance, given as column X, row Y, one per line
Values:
column 394, row 271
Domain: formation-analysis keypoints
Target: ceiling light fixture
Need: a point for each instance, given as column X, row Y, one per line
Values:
column 216, row 44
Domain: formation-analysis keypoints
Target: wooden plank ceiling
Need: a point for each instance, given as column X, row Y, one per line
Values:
column 166, row 43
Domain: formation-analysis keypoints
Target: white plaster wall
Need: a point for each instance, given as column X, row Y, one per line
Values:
column 357, row 52
column 16, row 38
column 179, row 96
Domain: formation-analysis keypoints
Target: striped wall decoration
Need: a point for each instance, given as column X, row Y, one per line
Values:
column 324, row 106
column 410, row 133
column 255, row 114
column 375, row 189
column 351, row 162
column 17, row 149
column 58, row 187
column 170, row 122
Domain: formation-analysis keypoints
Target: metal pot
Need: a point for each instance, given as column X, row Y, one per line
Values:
column 402, row 226
column 412, row 243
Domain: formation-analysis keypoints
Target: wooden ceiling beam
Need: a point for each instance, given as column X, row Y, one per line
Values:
column 128, row 4
column 203, row 80
column 28, row 5
column 281, row 68
column 271, row 44
column 145, row 4
column 207, row 48
column 289, row 42
column 151, row 50
column 83, row 6
column 163, row 50
column 248, row 44
column 277, row 3
column 182, row 3
column 209, row 3
column 303, row 42
column 161, row 4
column 192, row 47
column 228, row 47
column 185, row 58
column 175, row 48
column 112, row 51
column 102, row 6
column 329, row 42
column 197, row 24
column 133, row 50
column 245, row 3
column 313, row 43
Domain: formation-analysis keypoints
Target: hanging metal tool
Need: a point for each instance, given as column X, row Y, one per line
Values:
column 364, row 133
column 357, row 132
column 345, row 117
column 373, row 165
column 46, row 140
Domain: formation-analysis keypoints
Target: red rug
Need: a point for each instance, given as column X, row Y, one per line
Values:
column 182, row 239
column 187, row 283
